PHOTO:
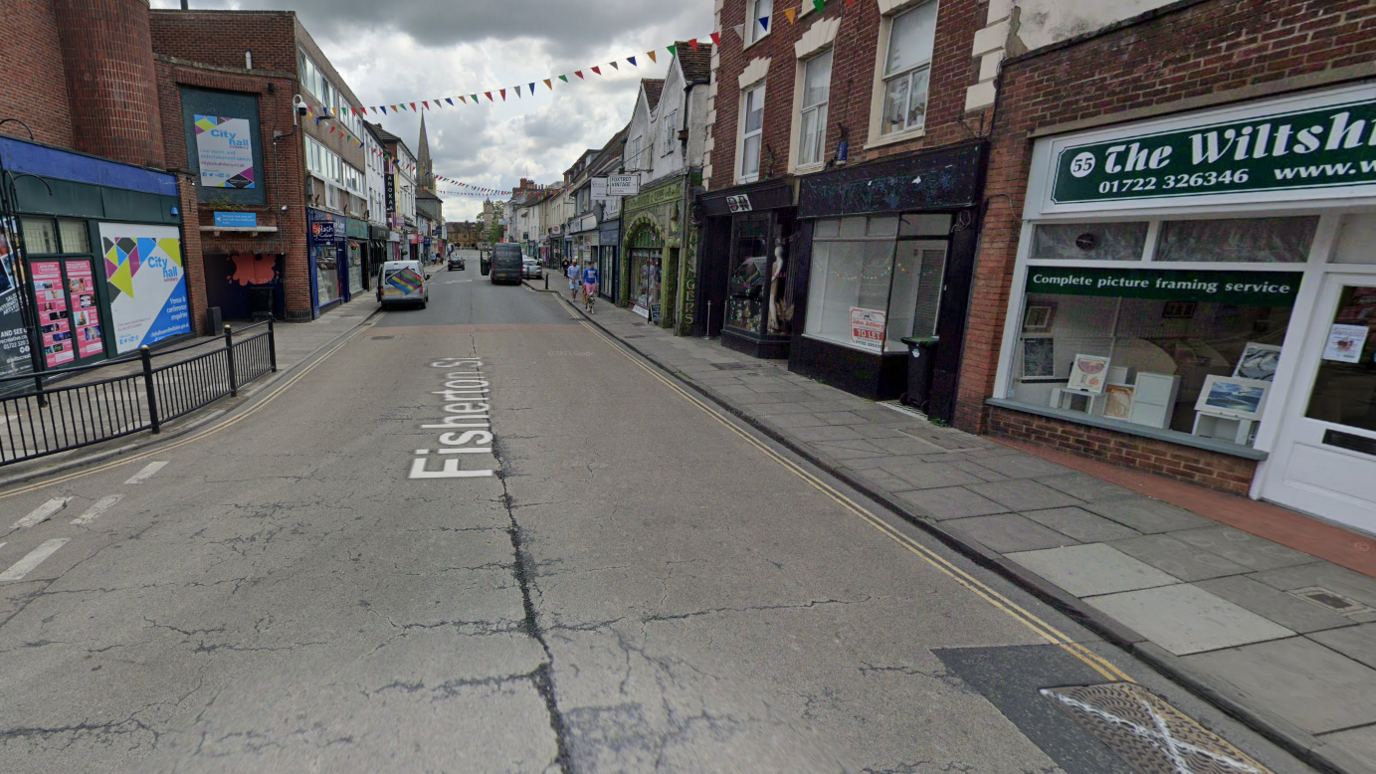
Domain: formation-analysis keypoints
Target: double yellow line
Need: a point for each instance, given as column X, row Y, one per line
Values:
column 162, row 450
column 983, row 591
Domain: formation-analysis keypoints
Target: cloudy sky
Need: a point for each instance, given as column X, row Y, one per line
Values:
column 403, row 50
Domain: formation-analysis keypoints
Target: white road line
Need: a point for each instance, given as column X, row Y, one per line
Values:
column 24, row 566
column 146, row 473
column 42, row 513
column 100, row 506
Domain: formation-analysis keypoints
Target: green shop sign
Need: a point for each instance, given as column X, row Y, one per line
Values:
column 1240, row 288
column 1321, row 147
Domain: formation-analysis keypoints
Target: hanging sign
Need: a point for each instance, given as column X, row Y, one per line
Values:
column 224, row 149
column 867, row 328
column 1242, row 288
column 1298, row 144
column 623, row 185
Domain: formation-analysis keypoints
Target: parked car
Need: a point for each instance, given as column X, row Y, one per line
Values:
column 506, row 264
column 456, row 262
column 530, row 268
column 403, row 282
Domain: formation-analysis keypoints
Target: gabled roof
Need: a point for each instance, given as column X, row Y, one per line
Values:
column 382, row 134
column 653, row 88
column 696, row 65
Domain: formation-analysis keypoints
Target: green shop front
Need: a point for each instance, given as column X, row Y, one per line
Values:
column 658, row 271
column 91, row 263
column 1196, row 296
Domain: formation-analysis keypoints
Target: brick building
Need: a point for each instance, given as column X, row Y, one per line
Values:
column 464, row 235
column 292, row 236
column 844, row 174
column 94, row 259
column 1176, row 269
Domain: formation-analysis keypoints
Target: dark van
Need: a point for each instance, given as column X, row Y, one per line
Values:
column 506, row 263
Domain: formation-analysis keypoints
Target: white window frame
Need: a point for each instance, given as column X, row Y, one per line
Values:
column 820, row 108
column 743, row 135
column 881, row 79
column 754, row 33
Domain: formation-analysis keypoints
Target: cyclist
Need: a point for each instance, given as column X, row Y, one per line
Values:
column 590, row 279
column 572, row 273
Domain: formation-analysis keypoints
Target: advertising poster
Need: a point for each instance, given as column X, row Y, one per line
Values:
column 224, row 147
column 54, row 323
column 867, row 328
column 147, row 283
column 85, row 316
column 1345, row 343
column 14, row 342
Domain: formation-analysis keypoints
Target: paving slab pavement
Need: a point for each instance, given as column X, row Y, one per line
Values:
column 1241, row 619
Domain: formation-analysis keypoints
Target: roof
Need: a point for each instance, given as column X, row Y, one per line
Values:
column 696, row 65
column 425, row 193
column 653, row 88
column 608, row 151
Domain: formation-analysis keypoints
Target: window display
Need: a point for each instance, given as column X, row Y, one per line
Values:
column 645, row 280
column 326, row 257
column 747, row 288
column 1345, row 387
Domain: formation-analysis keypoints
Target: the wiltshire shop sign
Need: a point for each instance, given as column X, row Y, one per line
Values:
column 1298, row 144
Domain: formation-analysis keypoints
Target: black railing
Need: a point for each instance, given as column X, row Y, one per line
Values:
column 49, row 420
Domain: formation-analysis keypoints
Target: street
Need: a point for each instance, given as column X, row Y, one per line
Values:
column 342, row 574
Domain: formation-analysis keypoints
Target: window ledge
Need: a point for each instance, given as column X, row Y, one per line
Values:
column 810, row 168
column 894, row 139
column 1129, row 428
column 762, row 38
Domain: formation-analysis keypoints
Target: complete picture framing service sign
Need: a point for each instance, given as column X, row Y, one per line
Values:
column 224, row 150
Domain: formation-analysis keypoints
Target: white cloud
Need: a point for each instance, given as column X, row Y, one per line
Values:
column 423, row 49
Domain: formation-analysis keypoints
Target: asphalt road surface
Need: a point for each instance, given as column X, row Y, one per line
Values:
column 347, row 573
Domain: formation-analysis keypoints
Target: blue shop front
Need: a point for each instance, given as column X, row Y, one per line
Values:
column 325, row 239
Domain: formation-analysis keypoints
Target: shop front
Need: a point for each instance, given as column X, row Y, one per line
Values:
column 747, row 246
column 356, row 250
column 884, row 258
column 608, row 257
column 91, row 263
column 378, row 252
column 1196, row 296
column 657, row 282
column 586, row 238
column 325, row 240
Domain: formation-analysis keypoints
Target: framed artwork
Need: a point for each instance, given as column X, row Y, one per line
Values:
column 1232, row 397
column 1039, row 317
column 1258, row 361
column 1088, row 373
column 1038, row 358
column 1118, row 401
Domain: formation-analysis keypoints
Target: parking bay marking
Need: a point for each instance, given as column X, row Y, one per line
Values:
column 24, row 566
column 42, row 513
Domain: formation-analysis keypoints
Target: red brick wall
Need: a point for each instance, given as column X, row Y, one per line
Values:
column 1193, row 51
column 108, row 58
column 1197, row 466
column 35, row 89
column 222, row 37
column 283, row 176
column 852, row 83
column 193, row 255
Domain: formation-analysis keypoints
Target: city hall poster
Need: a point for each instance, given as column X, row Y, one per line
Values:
column 224, row 147
column 147, row 283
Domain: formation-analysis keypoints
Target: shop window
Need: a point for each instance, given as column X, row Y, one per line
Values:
column 1251, row 240
column 1345, row 386
column 812, row 130
column 1356, row 239
column 645, row 278
column 40, row 236
column 907, row 69
column 752, row 129
column 76, row 238
column 1089, row 241
column 934, row 224
column 1186, row 351
column 747, row 287
column 919, row 270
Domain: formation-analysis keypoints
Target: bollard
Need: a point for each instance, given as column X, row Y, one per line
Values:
column 229, row 358
column 707, row 326
column 546, row 273
column 272, row 346
column 146, row 355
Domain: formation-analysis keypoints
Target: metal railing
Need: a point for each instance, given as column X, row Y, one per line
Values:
column 49, row 420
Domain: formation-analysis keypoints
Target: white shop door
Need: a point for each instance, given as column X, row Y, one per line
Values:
column 1325, row 458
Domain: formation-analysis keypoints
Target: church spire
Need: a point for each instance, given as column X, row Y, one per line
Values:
column 424, row 166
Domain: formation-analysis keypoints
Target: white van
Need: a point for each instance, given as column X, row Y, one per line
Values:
column 403, row 282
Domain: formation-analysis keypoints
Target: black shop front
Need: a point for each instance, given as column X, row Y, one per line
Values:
column 885, row 252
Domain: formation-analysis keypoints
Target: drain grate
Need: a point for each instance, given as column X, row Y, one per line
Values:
column 902, row 408
column 380, row 338
column 1149, row 734
column 732, row 366
column 1331, row 600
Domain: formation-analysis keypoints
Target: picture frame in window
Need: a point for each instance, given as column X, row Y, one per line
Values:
column 1232, row 397
column 1039, row 317
column 1039, row 359
column 1088, row 373
column 1118, row 401
column 1258, row 361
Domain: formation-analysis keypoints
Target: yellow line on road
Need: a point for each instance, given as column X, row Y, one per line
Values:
column 994, row 598
column 161, row 450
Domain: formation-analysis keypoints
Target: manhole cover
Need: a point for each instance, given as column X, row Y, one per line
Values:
column 1150, row 735
column 732, row 366
column 1331, row 600
column 381, row 338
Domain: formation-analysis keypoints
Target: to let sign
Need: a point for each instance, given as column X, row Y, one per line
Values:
column 867, row 328
column 1303, row 148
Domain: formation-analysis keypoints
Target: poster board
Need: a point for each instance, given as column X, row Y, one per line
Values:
column 146, row 283
column 224, row 149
